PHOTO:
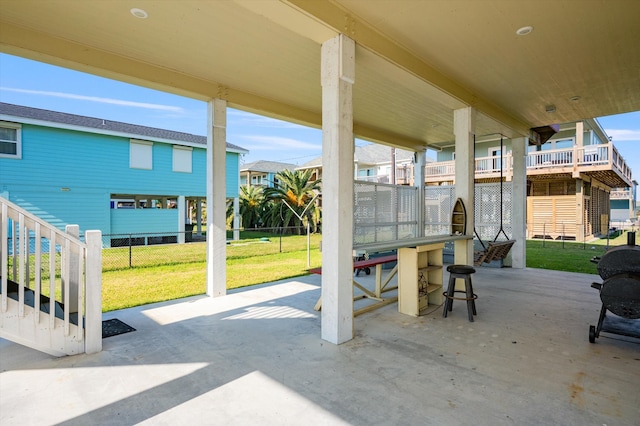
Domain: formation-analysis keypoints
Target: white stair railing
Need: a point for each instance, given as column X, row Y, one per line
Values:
column 47, row 263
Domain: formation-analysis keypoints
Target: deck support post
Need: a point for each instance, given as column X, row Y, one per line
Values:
column 182, row 217
column 519, row 194
column 418, row 179
column 216, row 198
column 337, row 77
column 464, row 128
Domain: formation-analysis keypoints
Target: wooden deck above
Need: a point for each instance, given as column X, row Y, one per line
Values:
column 601, row 162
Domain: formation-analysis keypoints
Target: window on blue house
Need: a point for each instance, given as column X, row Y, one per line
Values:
column 140, row 154
column 10, row 140
column 182, row 159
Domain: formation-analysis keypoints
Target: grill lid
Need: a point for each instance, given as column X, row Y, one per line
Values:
column 619, row 260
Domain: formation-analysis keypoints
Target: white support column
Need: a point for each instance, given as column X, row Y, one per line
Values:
column 236, row 218
column 93, row 293
column 199, row 216
column 74, row 274
column 464, row 128
column 418, row 178
column 216, row 198
column 519, row 218
column 182, row 215
column 338, row 74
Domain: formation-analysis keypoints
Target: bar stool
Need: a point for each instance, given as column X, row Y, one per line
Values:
column 463, row 272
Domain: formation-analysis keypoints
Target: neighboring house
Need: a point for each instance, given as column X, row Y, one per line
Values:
column 373, row 163
column 262, row 173
column 623, row 206
column 115, row 177
column 570, row 179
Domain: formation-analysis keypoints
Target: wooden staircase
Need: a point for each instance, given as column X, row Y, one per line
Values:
column 50, row 284
column 45, row 302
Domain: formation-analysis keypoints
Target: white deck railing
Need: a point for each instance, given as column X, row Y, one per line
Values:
column 50, row 263
column 621, row 194
column 585, row 158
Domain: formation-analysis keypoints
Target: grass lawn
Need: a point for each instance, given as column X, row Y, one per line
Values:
column 570, row 256
column 251, row 261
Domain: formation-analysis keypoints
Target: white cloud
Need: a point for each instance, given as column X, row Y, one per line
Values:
column 271, row 143
column 246, row 119
column 624, row 134
column 110, row 101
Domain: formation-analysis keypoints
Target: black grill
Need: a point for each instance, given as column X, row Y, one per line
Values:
column 619, row 291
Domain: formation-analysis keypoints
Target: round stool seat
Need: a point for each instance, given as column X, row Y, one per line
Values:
column 461, row 269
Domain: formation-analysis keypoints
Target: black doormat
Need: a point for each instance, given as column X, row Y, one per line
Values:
column 113, row 327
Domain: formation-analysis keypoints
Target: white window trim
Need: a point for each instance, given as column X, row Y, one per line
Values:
column 132, row 164
column 18, row 141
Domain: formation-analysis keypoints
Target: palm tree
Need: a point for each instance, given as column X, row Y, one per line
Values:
column 297, row 190
column 252, row 206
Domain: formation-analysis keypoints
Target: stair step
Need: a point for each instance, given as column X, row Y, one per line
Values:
column 45, row 302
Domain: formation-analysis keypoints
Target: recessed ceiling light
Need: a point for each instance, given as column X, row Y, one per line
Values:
column 550, row 108
column 524, row 30
column 574, row 98
column 139, row 13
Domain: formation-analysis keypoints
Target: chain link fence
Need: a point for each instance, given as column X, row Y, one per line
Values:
column 137, row 250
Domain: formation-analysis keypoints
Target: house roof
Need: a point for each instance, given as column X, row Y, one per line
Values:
column 368, row 154
column 377, row 154
column 266, row 166
column 24, row 114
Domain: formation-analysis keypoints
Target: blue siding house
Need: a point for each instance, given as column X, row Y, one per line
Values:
column 116, row 177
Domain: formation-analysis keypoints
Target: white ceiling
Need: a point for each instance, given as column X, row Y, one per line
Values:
column 416, row 61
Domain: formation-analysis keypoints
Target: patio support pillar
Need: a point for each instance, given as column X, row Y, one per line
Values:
column 337, row 78
column 216, row 198
column 464, row 128
column 519, row 217
column 236, row 218
column 182, row 217
column 418, row 178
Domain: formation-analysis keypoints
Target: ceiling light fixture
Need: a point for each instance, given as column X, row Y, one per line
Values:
column 139, row 13
column 550, row 108
column 574, row 98
column 524, row 30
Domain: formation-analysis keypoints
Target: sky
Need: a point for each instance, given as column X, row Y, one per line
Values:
column 39, row 85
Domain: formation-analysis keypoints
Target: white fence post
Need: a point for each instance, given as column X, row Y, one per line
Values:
column 93, row 292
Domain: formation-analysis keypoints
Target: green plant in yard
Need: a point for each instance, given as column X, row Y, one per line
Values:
column 297, row 190
column 252, row 206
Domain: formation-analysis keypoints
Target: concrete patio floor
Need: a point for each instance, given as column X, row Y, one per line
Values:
column 256, row 357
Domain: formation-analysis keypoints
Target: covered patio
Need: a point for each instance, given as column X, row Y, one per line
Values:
column 254, row 357
column 409, row 74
